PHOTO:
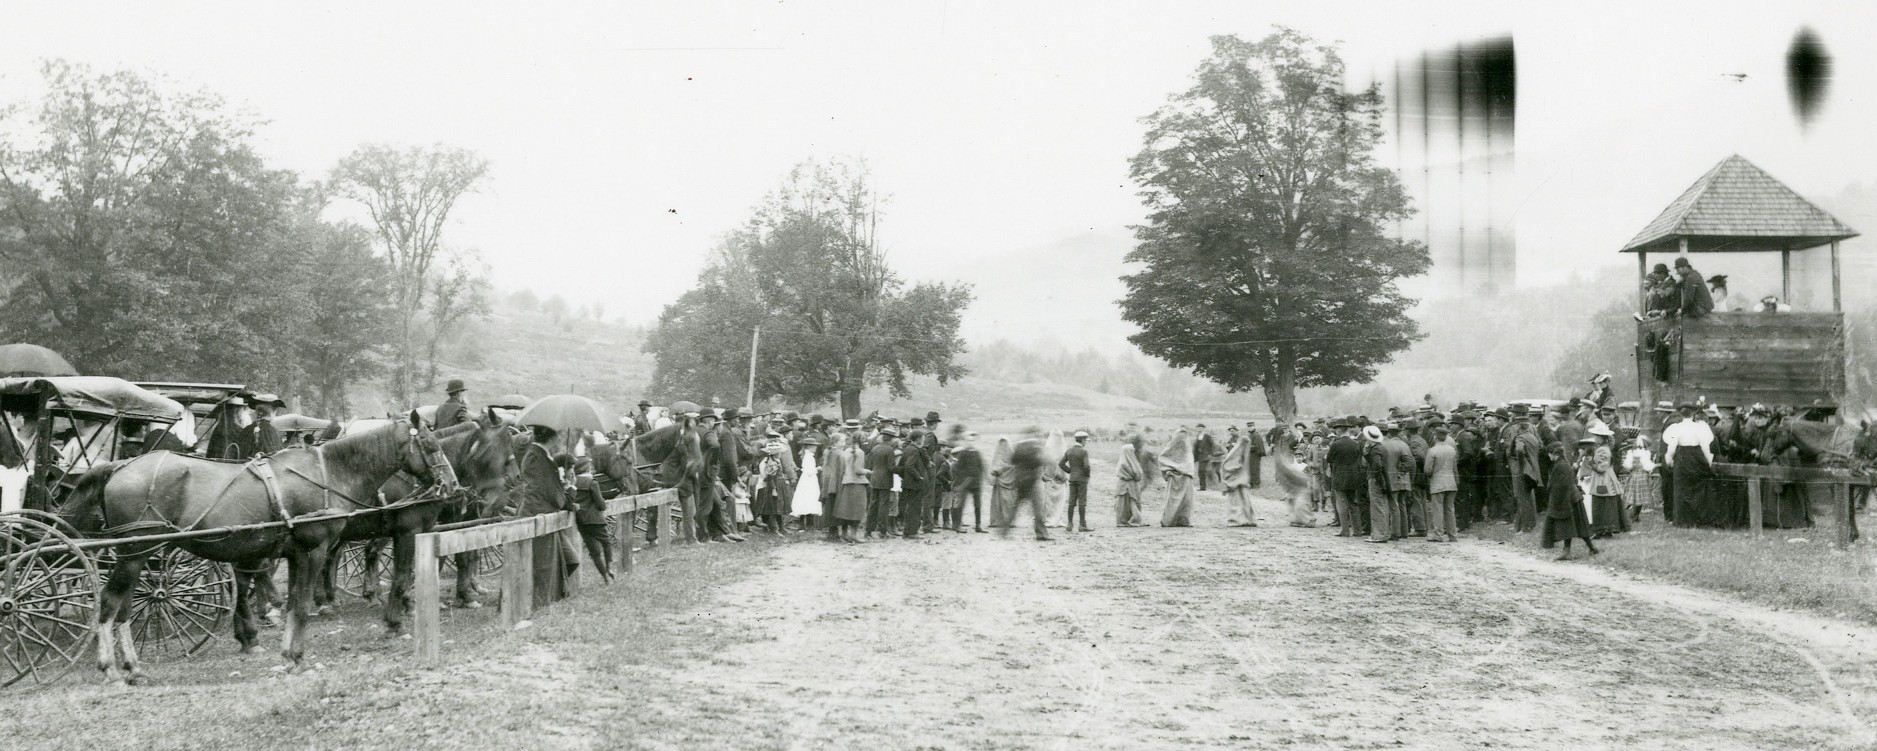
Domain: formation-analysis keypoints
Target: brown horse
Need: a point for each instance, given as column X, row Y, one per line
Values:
column 310, row 489
column 482, row 453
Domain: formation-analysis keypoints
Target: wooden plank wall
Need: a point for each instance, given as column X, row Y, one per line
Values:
column 1741, row 359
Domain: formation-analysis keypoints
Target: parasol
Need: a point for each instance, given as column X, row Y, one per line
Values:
column 23, row 360
column 568, row 412
column 511, row 401
column 294, row 423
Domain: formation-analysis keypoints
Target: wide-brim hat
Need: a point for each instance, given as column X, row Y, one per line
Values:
column 889, row 430
column 455, row 385
column 852, row 423
column 1582, row 441
column 267, row 399
column 1664, row 406
column 1600, row 378
column 1517, row 410
column 1602, row 430
column 932, row 417
column 1372, row 433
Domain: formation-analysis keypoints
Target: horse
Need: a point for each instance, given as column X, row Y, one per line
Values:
column 675, row 449
column 484, row 460
column 293, row 504
column 480, row 451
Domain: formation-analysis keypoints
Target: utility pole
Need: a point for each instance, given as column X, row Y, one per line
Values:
column 756, row 337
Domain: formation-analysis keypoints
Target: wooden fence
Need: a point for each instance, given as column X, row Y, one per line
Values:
column 517, row 539
column 1838, row 482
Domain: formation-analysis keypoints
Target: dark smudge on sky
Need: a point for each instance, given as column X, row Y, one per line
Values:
column 1808, row 75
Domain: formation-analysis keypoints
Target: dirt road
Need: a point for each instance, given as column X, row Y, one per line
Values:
column 1203, row 637
column 1216, row 637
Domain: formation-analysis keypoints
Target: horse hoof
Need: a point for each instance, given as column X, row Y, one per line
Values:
column 254, row 650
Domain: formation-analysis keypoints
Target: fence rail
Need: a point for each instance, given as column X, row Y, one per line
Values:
column 1839, row 481
column 517, row 539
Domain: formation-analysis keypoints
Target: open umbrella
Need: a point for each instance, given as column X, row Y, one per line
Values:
column 23, row 360
column 568, row 412
column 511, row 401
column 291, row 423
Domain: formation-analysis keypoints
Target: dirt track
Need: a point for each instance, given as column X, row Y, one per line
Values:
column 1203, row 637
column 1217, row 637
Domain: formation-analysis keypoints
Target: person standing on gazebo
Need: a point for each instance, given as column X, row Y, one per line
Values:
column 1696, row 300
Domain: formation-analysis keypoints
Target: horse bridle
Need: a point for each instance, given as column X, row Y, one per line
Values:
column 443, row 482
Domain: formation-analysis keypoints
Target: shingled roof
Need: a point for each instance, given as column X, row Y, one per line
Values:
column 1737, row 207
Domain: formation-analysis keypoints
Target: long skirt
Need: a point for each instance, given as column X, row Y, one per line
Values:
column 1003, row 496
column 850, row 503
column 1127, row 508
column 1787, row 506
column 555, row 559
column 1694, row 488
column 1058, row 495
column 1558, row 530
column 1179, row 510
column 1303, row 508
column 1607, row 516
column 1525, row 496
column 806, row 500
column 1238, row 510
column 772, row 499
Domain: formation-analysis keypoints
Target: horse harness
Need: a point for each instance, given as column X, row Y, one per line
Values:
column 261, row 468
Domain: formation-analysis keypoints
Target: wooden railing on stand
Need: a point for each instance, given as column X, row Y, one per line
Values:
column 517, row 538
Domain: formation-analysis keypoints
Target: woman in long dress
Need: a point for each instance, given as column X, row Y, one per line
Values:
column 1176, row 465
column 1599, row 478
column 1130, row 480
column 1235, row 472
column 1564, row 518
column 847, row 470
column 774, row 485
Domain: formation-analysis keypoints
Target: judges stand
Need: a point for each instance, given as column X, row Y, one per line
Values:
column 1790, row 357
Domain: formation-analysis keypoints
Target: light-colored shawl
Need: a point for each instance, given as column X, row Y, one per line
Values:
column 1178, row 455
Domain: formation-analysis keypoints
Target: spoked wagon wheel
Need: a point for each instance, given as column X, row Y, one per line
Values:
column 488, row 561
column 180, row 603
column 352, row 560
column 48, row 602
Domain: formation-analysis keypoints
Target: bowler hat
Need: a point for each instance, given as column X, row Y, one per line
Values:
column 455, row 385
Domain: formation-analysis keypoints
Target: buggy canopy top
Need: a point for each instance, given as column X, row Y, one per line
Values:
column 101, row 395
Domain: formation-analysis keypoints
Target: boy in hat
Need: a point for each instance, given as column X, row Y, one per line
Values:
column 881, row 479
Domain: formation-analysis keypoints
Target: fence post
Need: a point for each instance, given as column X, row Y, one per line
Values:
column 428, row 624
column 1754, row 504
column 624, row 539
column 1841, row 513
column 517, row 582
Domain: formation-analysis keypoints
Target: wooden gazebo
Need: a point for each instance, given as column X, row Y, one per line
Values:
column 1742, row 358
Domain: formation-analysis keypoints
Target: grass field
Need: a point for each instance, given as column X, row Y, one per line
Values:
column 1782, row 568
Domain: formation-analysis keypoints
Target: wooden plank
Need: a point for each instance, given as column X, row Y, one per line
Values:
column 1756, row 369
column 624, row 539
column 1790, row 474
column 1755, row 506
column 518, row 582
column 427, row 629
column 1841, row 515
column 501, row 533
column 629, row 503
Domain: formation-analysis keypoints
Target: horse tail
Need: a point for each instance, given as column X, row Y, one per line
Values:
column 83, row 508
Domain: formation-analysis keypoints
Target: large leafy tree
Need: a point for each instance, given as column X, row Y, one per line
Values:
column 409, row 194
column 1265, row 257
column 834, row 316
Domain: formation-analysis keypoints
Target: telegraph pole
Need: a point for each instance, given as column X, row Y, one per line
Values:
column 749, row 398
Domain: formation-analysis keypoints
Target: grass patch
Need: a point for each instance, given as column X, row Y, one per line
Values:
column 1795, row 569
column 373, row 693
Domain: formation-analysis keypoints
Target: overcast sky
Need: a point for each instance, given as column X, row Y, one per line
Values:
column 626, row 136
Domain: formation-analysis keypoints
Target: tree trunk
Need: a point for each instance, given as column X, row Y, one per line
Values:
column 1281, row 392
column 850, row 401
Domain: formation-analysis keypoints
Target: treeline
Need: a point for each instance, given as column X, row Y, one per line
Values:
column 145, row 237
column 1130, row 375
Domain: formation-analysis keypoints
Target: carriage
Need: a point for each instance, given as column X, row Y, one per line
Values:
column 51, row 431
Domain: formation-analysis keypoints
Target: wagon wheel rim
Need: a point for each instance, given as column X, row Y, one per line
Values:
column 350, row 577
column 48, row 603
column 180, row 603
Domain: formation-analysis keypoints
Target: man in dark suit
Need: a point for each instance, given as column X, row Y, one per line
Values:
column 915, row 482
column 1348, row 482
column 880, row 461
column 260, row 436
column 1254, row 458
column 452, row 410
column 1075, row 464
column 1696, row 300
column 1204, row 447
column 968, row 482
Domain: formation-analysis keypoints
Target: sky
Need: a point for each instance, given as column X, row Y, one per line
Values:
column 625, row 137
